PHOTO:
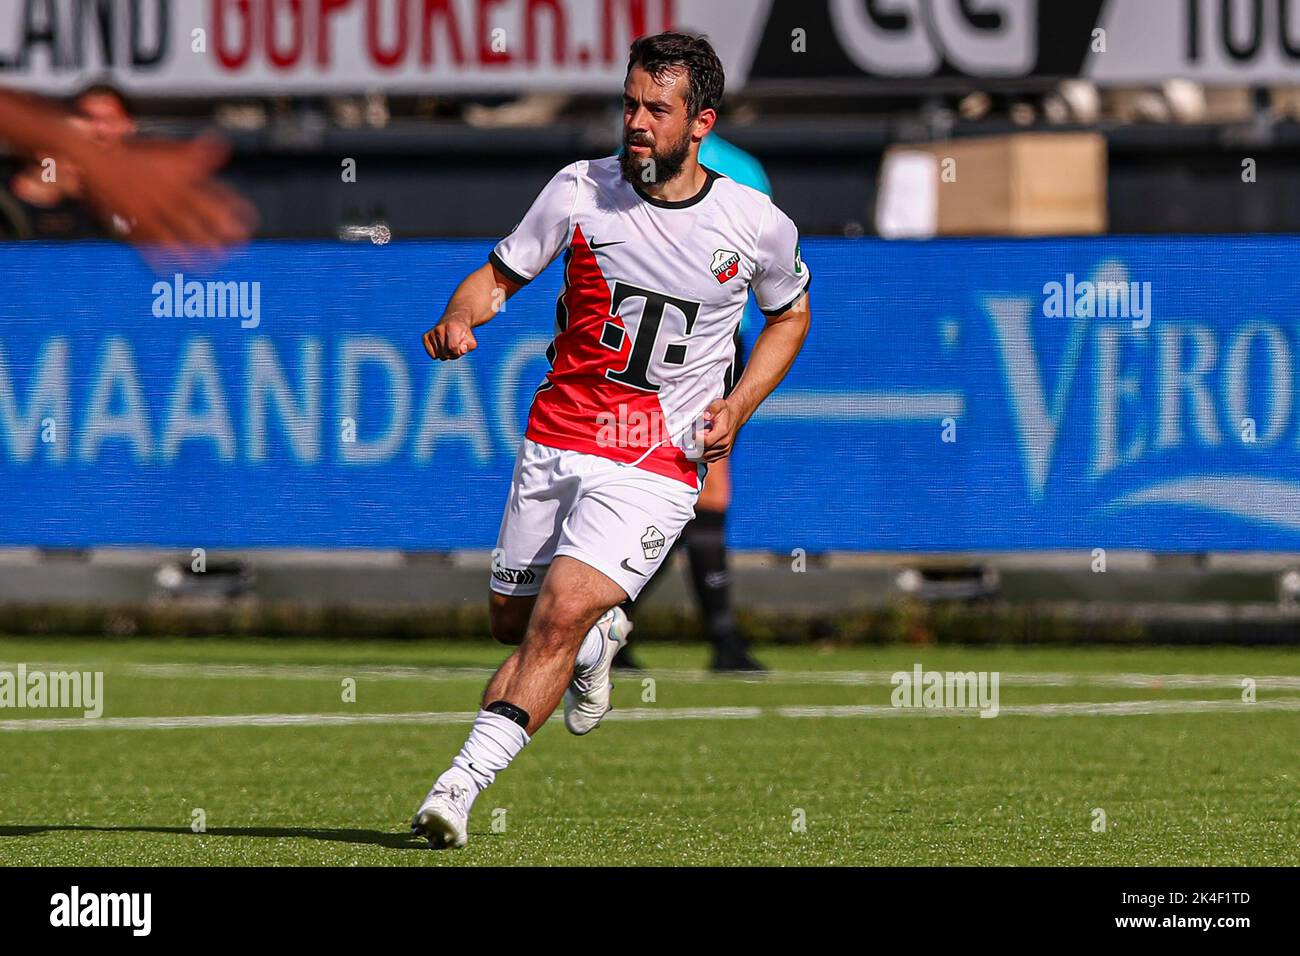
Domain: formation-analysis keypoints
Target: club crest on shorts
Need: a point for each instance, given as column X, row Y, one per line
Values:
column 652, row 542
column 725, row 264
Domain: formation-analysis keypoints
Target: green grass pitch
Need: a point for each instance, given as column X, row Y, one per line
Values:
column 696, row 770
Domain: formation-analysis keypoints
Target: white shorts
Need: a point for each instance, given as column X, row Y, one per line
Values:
column 618, row 519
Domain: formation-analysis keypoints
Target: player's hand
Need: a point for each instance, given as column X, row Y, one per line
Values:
column 165, row 195
column 723, row 423
column 450, row 339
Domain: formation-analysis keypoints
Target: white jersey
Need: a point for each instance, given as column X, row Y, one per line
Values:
column 653, row 294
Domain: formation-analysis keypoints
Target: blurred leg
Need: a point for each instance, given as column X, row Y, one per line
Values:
column 716, row 493
column 706, row 548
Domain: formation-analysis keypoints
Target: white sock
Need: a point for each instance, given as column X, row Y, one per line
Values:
column 593, row 645
column 493, row 742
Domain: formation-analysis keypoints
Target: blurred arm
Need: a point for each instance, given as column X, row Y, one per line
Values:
column 164, row 192
column 37, row 127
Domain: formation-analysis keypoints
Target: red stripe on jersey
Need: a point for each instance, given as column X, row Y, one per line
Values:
column 574, row 408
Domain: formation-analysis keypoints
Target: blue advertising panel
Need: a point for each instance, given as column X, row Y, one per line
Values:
column 952, row 395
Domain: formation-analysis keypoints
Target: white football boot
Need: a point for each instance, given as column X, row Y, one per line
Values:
column 587, row 699
column 443, row 818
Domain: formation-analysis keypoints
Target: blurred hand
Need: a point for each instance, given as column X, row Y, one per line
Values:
column 165, row 195
column 450, row 339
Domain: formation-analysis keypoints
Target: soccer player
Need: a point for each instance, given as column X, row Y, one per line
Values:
column 703, row 538
column 659, row 255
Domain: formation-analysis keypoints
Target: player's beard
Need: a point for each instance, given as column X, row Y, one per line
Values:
column 667, row 164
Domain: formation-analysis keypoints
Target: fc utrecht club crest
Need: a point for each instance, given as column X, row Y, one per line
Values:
column 652, row 542
column 725, row 264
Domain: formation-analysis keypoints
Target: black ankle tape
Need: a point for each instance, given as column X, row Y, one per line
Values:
column 509, row 711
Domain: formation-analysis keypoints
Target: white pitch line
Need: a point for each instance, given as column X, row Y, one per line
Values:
column 309, row 671
column 1117, row 708
column 684, row 675
column 237, row 720
column 1124, row 708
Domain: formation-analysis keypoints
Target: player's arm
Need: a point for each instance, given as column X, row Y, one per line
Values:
column 516, row 260
column 163, row 190
column 34, row 126
column 780, row 286
column 774, row 352
column 479, row 297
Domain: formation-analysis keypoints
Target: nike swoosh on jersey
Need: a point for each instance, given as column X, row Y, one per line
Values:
column 601, row 245
column 628, row 567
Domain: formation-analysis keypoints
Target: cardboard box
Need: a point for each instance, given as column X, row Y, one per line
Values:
column 1027, row 184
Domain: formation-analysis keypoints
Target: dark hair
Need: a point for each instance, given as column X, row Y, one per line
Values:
column 665, row 52
column 105, row 89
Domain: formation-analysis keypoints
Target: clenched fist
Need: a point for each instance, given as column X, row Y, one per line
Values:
column 450, row 339
column 724, row 422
